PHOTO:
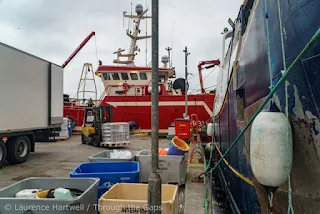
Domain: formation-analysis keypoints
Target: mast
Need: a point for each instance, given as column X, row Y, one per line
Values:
column 169, row 56
column 140, row 15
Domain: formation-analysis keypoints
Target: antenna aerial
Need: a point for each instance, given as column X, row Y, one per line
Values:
column 134, row 35
column 169, row 56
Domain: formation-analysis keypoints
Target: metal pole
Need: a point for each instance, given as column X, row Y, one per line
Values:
column 154, row 184
column 186, row 77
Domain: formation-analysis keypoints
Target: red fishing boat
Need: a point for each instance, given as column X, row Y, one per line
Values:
column 128, row 89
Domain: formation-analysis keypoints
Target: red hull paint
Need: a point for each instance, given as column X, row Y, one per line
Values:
column 77, row 113
column 138, row 109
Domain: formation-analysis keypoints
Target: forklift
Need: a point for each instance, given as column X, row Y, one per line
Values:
column 94, row 118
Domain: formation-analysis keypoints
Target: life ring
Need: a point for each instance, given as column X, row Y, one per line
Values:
column 125, row 87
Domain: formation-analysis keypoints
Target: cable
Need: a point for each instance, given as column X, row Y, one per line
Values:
column 290, row 206
column 192, row 76
column 204, row 78
column 96, row 47
column 195, row 89
column 283, row 78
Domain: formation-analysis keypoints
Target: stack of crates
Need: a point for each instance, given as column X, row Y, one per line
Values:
column 115, row 133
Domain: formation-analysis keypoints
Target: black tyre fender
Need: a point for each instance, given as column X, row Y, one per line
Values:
column 13, row 146
column 3, row 154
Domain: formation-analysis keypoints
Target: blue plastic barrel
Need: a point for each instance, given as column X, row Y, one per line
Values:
column 109, row 173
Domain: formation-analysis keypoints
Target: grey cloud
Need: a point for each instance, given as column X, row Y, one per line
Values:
column 54, row 29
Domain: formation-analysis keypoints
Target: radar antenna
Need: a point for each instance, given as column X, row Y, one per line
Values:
column 133, row 49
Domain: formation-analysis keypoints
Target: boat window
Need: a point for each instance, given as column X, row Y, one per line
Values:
column 106, row 76
column 143, row 76
column 134, row 76
column 124, row 76
column 162, row 78
column 90, row 116
column 115, row 76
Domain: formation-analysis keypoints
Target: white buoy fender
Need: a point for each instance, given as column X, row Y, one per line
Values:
column 271, row 148
column 210, row 129
column 150, row 89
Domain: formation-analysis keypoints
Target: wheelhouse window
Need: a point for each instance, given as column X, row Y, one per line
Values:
column 106, row 76
column 143, row 76
column 124, row 76
column 115, row 76
column 162, row 78
column 89, row 116
column 134, row 76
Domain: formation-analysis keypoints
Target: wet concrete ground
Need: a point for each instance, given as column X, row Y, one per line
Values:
column 60, row 158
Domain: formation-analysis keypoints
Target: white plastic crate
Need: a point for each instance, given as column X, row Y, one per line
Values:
column 115, row 133
column 64, row 128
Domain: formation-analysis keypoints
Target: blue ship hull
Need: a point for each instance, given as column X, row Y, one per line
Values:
column 248, row 72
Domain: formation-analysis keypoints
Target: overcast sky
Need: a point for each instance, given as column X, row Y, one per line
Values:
column 53, row 30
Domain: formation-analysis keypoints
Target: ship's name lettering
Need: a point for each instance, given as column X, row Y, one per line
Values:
column 194, row 123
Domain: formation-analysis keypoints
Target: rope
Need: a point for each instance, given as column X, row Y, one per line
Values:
column 268, row 41
column 202, row 79
column 290, row 206
column 282, row 79
column 270, row 197
column 193, row 76
column 206, row 202
column 196, row 90
column 242, row 177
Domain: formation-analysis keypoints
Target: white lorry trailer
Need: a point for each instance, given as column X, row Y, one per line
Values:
column 31, row 94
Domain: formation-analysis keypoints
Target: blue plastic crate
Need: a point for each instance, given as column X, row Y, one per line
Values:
column 109, row 173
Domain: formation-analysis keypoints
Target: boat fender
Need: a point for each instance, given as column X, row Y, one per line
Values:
column 271, row 148
column 210, row 129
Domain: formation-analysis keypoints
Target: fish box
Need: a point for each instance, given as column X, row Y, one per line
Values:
column 172, row 168
column 109, row 173
column 133, row 198
column 81, row 204
column 105, row 156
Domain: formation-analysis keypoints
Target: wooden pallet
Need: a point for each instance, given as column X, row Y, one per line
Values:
column 59, row 138
column 115, row 145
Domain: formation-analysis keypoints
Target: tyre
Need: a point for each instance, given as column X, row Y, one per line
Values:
column 3, row 154
column 18, row 149
column 95, row 141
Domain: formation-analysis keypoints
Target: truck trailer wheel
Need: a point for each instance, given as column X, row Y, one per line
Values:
column 18, row 149
column 3, row 154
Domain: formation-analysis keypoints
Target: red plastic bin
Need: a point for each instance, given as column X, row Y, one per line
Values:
column 182, row 128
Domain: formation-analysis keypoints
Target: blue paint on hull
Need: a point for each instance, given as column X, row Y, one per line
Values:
column 300, row 20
